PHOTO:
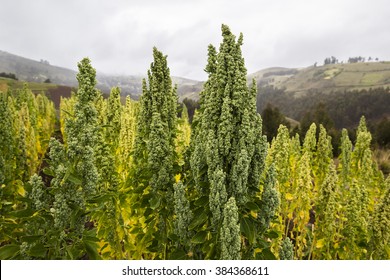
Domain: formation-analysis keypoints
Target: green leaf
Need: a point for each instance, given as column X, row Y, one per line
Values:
column 31, row 238
column 48, row 171
column 198, row 220
column 252, row 206
column 267, row 254
column 155, row 202
column 153, row 247
column 75, row 179
column 136, row 230
column 69, row 251
column 262, row 244
column 148, row 212
column 22, row 213
column 8, row 251
column 173, row 237
column 74, row 217
column 75, row 252
column 139, row 189
column 100, row 198
column 91, row 248
column 90, row 238
column 23, row 199
column 106, row 125
column 178, row 255
column 202, row 201
column 38, row 251
column 199, row 238
column 248, row 229
column 211, row 251
column 271, row 234
column 160, row 237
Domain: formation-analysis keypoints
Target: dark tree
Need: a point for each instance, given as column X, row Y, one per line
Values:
column 330, row 60
column 8, row 75
column 327, row 61
column 191, row 105
column 382, row 133
column 320, row 115
column 272, row 119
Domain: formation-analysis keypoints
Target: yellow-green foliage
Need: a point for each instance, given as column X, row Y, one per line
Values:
column 279, row 155
column 66, row 111
column 46, row 122
column 303, row 195
column 328, row 222
column 29, row 122
column 327, row 211
column 182, row 141
column 26, row 125
column 127, row 137
column 381, row 226
column 28, row 134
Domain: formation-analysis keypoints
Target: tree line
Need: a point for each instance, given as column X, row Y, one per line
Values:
column 8, row 75
column 335, row 110
column 355, row 59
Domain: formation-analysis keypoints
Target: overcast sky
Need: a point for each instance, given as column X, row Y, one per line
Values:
column 118, row 35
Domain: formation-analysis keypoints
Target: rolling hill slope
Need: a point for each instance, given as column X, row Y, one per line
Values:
column 35, row 71
column 53, row 91
column 327, row 78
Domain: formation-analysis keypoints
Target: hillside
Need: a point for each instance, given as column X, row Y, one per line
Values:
column 132, row 85
column 53, row 91
column 327, row 78
column 36, row 71
column 347, row 91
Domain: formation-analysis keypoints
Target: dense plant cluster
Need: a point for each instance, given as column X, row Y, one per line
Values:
column 133, row 180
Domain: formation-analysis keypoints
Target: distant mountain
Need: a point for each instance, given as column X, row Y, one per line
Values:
column 39, row 71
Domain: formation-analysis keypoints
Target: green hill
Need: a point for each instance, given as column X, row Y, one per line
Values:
column 346, row 91
column 53, row 91
column 327, row 78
